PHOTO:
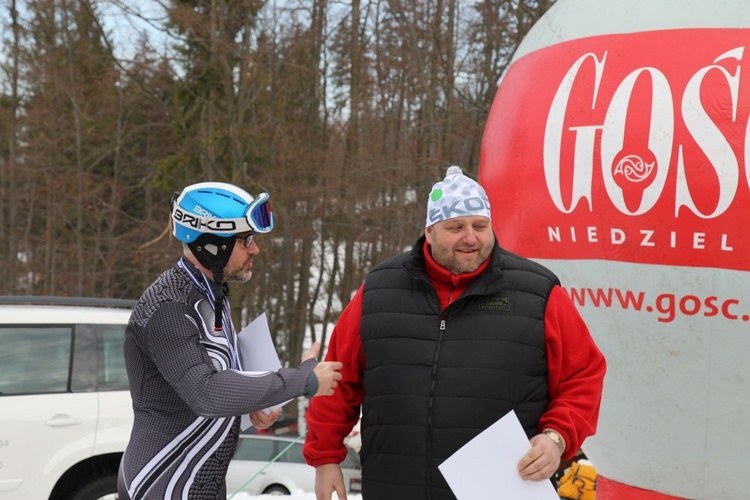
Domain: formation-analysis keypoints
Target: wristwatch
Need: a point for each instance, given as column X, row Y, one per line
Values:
column 554, row 436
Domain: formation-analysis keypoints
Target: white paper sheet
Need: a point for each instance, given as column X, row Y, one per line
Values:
column 487, row 466
column 257, row 356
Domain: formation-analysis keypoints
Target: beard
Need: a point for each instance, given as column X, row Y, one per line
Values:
column 451, row 260
column 237, row 273
column 240, row 276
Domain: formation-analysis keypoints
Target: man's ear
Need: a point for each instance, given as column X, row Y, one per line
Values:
column 428, row 233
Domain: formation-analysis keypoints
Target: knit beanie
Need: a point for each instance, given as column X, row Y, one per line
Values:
column 456, row 196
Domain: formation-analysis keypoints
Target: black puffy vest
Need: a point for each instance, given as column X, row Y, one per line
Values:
column 433, row 382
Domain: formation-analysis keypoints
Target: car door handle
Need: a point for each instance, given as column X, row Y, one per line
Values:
column 62, row 421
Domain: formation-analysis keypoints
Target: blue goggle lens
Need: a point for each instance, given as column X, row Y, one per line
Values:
column 261, row 217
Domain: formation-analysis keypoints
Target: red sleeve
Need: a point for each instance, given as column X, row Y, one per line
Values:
column 331, row 418
column 576, row 370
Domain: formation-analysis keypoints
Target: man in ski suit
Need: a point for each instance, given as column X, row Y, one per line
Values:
column 185, row 374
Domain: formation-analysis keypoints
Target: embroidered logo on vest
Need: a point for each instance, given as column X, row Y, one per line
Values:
column 498, row 303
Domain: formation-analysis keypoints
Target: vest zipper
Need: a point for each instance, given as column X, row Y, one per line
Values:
column 430, row 407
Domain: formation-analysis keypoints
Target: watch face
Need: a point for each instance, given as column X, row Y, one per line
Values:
column 554, row 436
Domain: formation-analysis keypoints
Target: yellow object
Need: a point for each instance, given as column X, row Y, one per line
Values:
column 578, row 482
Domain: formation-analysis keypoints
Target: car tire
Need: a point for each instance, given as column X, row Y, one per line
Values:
column 99, row 488
column 276, row 490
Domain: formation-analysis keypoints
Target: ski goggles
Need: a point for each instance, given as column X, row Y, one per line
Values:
column 259, row 215
column 258, row 218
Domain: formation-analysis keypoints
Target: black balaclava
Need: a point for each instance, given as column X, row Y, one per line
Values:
column 213, row 253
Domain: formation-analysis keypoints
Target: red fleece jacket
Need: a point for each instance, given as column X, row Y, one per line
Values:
column 575, row 369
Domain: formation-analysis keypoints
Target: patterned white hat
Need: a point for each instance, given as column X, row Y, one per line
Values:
column 456, row 196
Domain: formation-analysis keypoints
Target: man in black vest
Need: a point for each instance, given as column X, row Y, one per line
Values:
column 442, row 341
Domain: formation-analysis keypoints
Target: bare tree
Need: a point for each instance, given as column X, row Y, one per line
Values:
column 346, row 113
column 9, row 215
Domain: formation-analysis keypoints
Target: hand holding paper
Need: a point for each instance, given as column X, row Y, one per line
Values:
column 487, row 466
column 258, row 355
column 263, row 420
column 541, row 461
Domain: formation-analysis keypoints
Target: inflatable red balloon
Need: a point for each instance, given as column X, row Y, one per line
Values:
column 617, row 153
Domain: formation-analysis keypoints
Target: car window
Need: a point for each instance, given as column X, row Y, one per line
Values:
column 34, row 359
column 112, row 373
column 293, row 454
column 351, row 461
column 254, row 449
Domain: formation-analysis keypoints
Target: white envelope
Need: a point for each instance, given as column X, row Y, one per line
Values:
column 257, row 356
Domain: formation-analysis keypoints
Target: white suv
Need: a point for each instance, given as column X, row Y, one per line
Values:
column 65, row 409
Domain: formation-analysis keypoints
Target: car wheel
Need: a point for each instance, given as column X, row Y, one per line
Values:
column 99, row 488
column 276, row 490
